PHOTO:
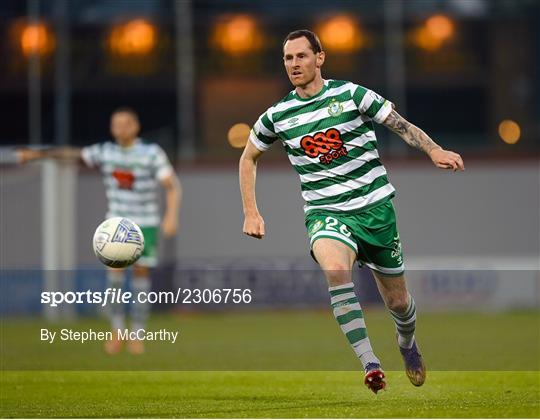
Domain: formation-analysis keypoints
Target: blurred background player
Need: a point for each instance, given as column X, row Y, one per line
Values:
column 132, row 171
column 327, row 130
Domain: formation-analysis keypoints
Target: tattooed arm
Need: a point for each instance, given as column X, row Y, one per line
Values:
column 412, row 135
column 417, row 138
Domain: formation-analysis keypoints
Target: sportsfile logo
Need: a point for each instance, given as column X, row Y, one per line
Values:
column 327, row 145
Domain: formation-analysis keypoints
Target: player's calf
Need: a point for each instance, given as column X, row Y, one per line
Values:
column 405, row 321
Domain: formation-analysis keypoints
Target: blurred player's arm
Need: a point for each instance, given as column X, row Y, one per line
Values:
column 173, row 202
column 253, row 221
column 63, row 153
column 21, row 155
column 27, row 154
column 417, row 138
column 66, row 153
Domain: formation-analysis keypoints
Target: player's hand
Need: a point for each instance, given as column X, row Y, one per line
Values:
column 445, row 159
column 169, row 226
column 254, row 226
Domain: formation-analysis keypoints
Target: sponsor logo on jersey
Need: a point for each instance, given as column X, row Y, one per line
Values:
column 327, row 146
column 125, row 179
column 335, row 108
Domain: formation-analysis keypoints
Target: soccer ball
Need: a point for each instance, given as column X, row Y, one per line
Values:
column 118, row 242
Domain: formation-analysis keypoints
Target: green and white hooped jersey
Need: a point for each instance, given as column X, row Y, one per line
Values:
column 331, row 143
column 131, row 177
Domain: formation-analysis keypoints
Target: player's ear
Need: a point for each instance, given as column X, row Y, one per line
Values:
column 320, row 59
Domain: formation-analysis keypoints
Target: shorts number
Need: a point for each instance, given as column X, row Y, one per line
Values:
column 331, row 222
column 344, row 231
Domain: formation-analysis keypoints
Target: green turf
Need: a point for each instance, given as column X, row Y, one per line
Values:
column 266, row 394
column 39, row 380
column 291, row 341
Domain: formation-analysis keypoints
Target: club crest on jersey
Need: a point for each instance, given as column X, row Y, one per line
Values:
column 335, row 108
column 316, row 227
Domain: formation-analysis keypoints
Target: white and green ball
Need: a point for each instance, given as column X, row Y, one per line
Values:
column 118, row 242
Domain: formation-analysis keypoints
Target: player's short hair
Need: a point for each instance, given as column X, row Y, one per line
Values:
column 312, row 38
column 126, row 110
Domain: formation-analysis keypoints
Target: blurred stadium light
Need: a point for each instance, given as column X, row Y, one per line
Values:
column 435, row 31
column 341, row 33
column 132, row 48
column 240, row 43
column 509, row 131
column 238, row 135
column 36, row 39
column 136, row 37
column 440, row 27
column 237, row 34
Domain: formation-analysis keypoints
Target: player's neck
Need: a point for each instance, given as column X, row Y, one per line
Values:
column 128, row 143
column 311, row 89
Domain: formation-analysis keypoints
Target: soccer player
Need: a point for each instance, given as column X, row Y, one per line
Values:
column 326, row 128
column 132, row 172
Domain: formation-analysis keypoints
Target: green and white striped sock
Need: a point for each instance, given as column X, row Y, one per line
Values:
column 350, row 318
column 140, row 311
column 116, row 311
column 406, row 324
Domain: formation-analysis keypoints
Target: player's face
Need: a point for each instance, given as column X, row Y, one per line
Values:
column 301, row 63
column 124, row 128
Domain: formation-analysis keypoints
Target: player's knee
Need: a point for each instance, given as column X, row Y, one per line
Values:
column 397, row 303
column 336, row 267
column 337, row 273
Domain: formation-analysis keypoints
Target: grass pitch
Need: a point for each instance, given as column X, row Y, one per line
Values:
column 266, row 395
column 275, row 365
column 283, row 341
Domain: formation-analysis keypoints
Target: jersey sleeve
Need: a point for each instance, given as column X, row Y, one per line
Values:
column 372, row 104
column 92, row 155
column 162, row 165
column 262, row 134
